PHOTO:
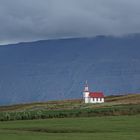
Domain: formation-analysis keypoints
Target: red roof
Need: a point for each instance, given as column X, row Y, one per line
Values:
column 96, row 95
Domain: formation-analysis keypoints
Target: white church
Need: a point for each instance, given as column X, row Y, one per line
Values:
column 92, row 97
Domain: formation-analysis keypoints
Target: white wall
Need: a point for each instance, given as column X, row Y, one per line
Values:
column 102, row 100
column 87, row 100
column 86, row 96
column 94, row 100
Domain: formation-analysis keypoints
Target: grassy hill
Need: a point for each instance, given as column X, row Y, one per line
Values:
column 130, row 99
column 114, row 105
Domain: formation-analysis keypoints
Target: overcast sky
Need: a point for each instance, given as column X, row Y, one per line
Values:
column 27, row 20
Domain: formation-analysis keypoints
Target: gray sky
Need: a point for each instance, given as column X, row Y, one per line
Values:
column 27, row 20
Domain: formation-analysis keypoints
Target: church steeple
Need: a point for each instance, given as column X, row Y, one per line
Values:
column 86, row 87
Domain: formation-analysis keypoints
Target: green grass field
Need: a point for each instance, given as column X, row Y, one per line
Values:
column 90, row 128
column 73, row 120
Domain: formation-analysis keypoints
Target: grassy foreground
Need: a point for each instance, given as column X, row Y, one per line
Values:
column 98, row 128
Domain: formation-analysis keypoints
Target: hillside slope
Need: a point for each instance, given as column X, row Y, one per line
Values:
column 57, row 69
column 110, row 101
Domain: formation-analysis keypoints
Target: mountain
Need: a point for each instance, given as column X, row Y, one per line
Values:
column 57, row 69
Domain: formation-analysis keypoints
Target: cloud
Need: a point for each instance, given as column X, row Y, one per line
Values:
column 26, row 20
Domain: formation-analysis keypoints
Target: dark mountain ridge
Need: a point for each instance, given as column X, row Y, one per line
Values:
column 56, row 69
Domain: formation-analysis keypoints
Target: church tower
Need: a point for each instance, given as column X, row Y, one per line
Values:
column 86, row 93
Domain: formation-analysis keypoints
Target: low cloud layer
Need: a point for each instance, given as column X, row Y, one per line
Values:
column 26, row 20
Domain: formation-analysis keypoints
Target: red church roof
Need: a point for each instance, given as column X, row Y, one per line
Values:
column 96, row 95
